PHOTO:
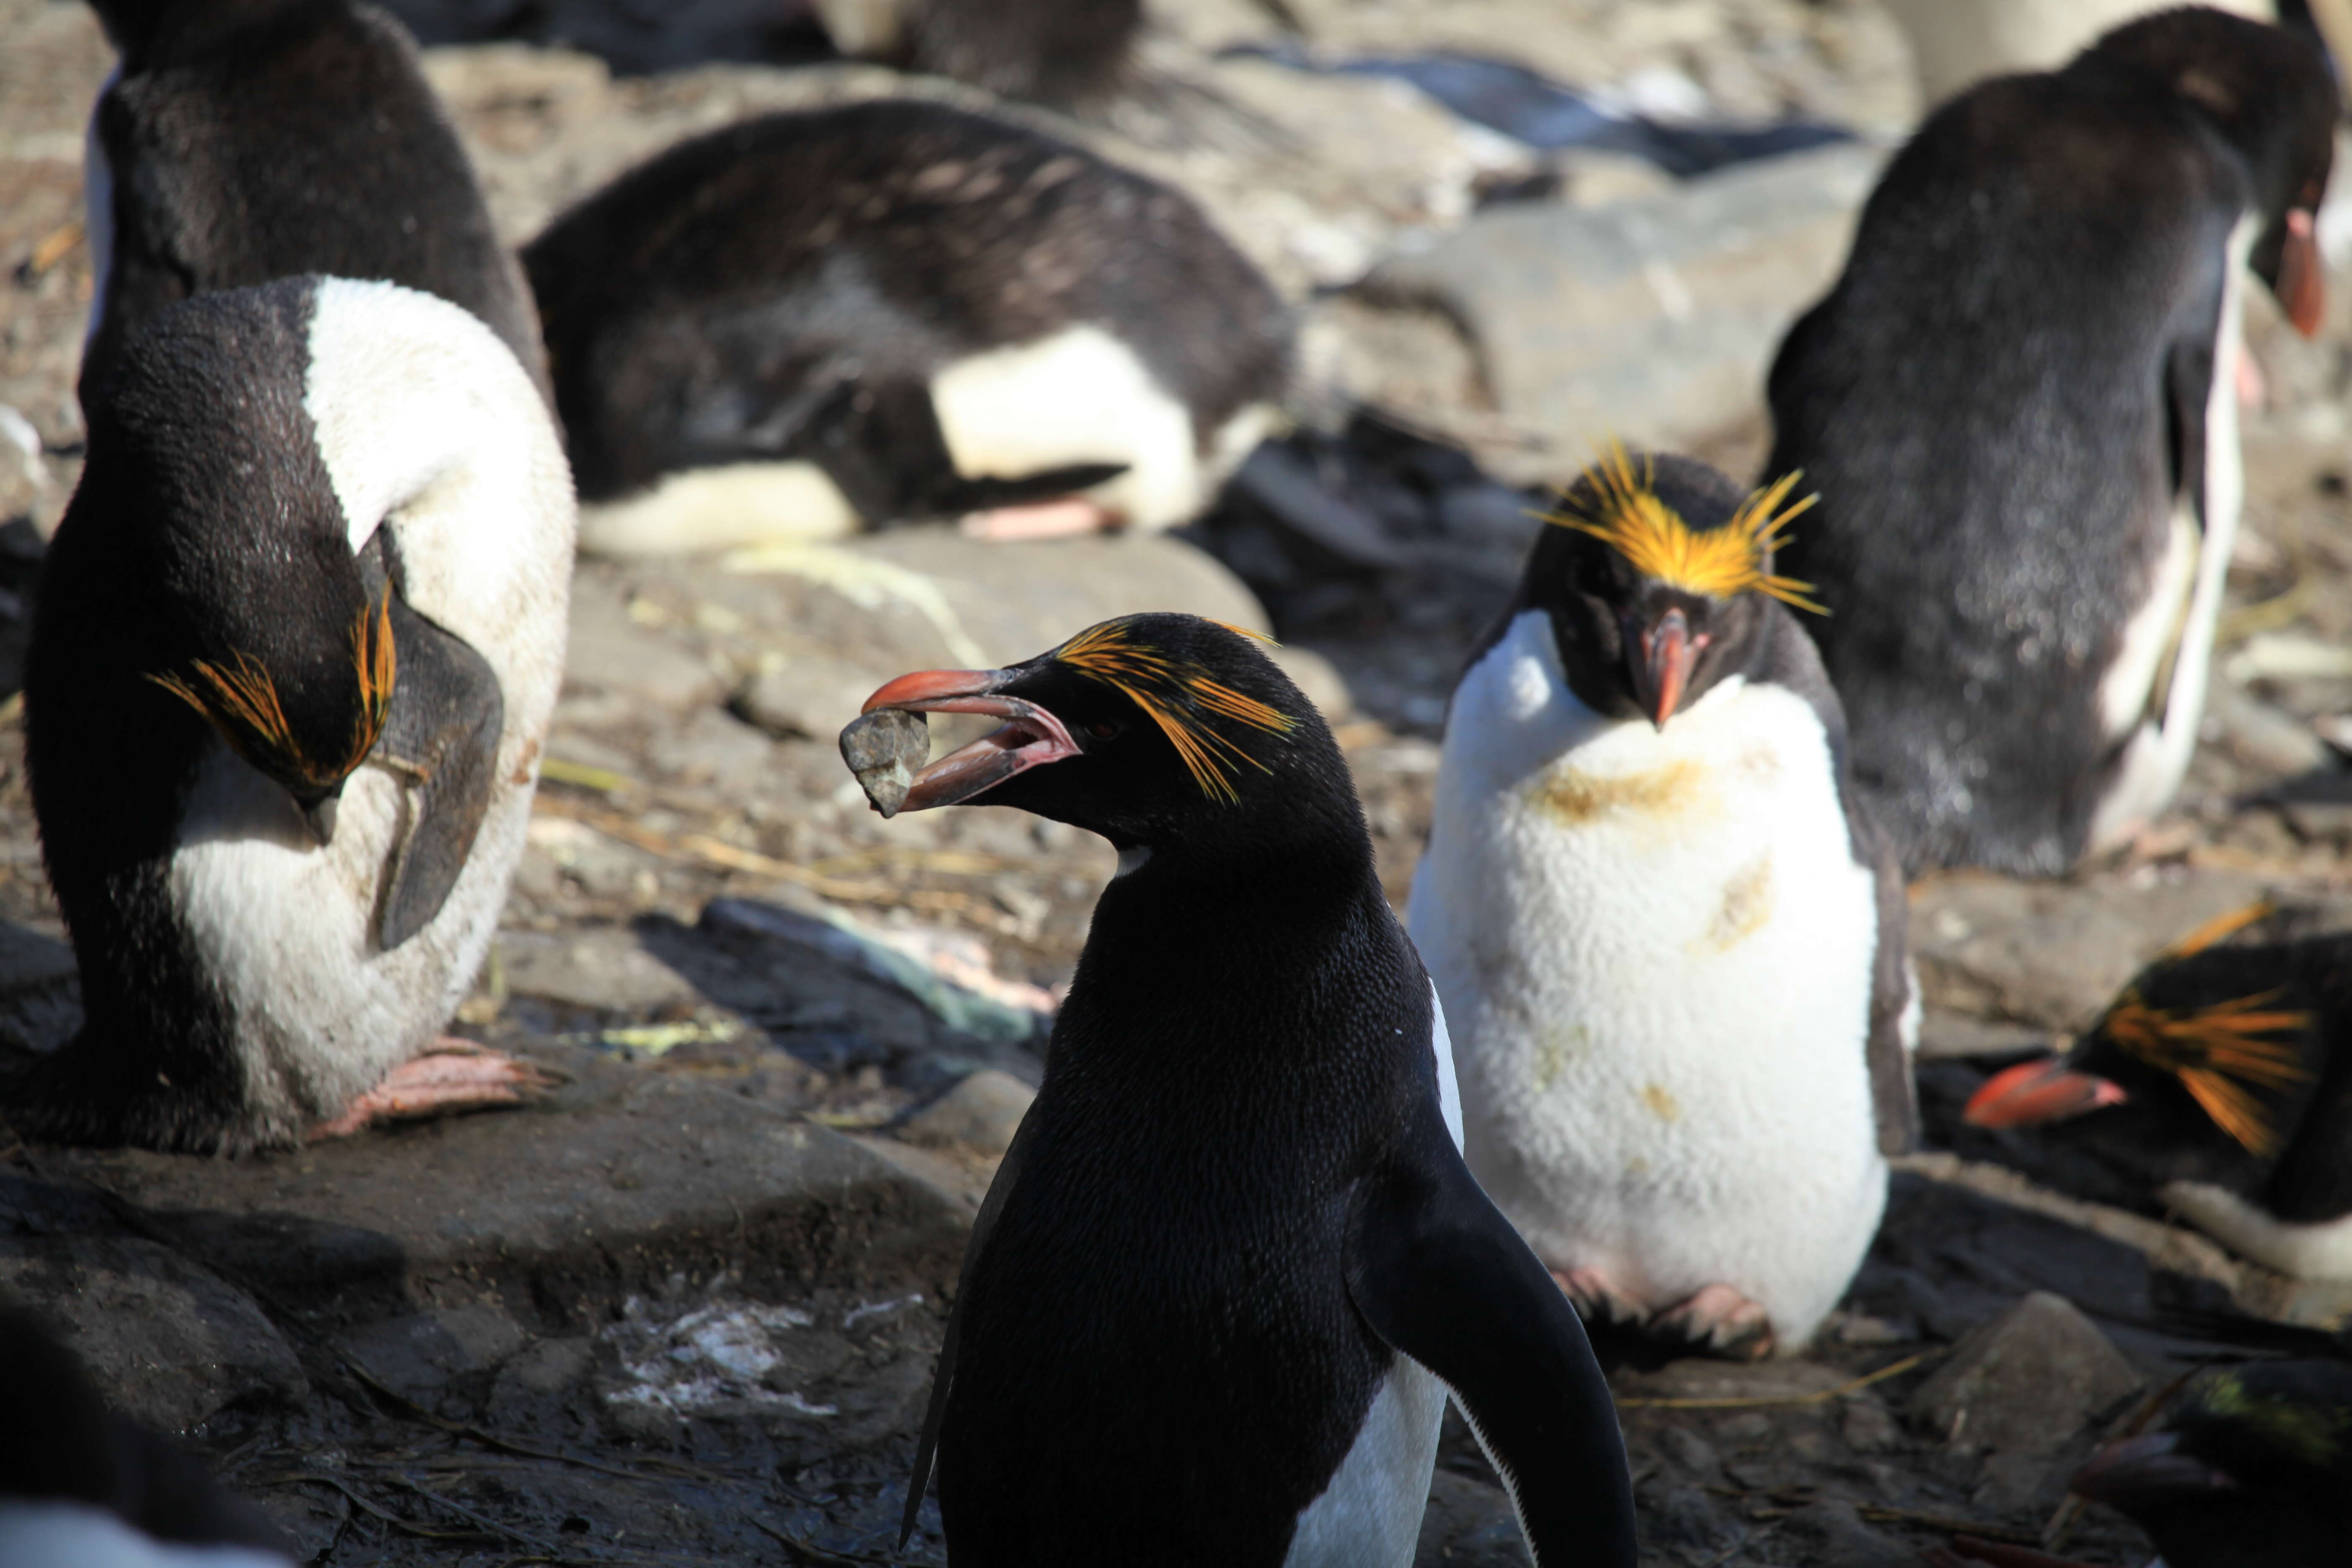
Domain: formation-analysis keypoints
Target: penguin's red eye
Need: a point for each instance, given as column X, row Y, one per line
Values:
column 1102, row 728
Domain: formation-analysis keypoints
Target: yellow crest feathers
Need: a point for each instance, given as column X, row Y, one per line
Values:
column 1175, row 693
column 1626, row 514
column 2217, row 1052
column 241, row 700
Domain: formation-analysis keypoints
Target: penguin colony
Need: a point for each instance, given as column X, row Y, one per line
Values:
column 300, row 633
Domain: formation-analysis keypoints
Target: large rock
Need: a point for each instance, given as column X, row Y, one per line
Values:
column 167, row 1339
column 1651, row 320
column 2027, row 1382
column 982, row 1112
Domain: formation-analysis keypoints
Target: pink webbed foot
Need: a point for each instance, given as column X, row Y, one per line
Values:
column 451, row 1075
column 1067, row 518
column 1720, row 1322
column 1597, row 1299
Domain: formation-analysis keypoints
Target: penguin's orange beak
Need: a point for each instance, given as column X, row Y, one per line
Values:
column 2302, row 276
column 1030, row 736
column 2031, row 1093
column 1668, row 653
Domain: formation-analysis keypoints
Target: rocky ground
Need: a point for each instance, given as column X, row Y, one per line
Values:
column 683, row 1312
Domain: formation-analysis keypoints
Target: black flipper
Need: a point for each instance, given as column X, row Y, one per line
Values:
column 927, row 1448
column 1441, row 1275
column 441, row 736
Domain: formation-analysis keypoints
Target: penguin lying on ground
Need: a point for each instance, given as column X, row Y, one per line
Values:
column 82, row 1487
column 894, row 310
column 1669, row 937
column 297, row 639
column 2253, row 1471
column 2217, row 1084
column 240, row 140
column 1232, row 1260
column 2018, row 406
column 1067, row 53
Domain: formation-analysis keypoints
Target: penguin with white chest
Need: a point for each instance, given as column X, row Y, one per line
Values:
column 297, row 641
column 240, row 140
column 890, row 312
column 1232, row 1260
column 2019, row 406
column 1669, row 938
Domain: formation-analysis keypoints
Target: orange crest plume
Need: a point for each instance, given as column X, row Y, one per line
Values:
column 241, row 701
column 1177, row 693
column 2217, row 1052
column 1627, row 515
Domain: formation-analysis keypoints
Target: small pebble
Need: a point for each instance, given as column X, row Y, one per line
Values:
column 884, row 749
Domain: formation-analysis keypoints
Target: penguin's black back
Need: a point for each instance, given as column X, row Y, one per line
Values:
column 1984, row 404
column 1158, row 1345
column 706, row 307
column 203, row 444
column 250, row 139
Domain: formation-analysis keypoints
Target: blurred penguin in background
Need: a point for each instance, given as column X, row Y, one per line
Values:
column 897, row 311
column 2018, row 406
column 240, row 140
column 1068, row 54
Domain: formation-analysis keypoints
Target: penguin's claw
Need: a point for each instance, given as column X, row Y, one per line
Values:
column 1065, row 519
column 1720, row 1322
column 451, row 1075
column 1597, row 1299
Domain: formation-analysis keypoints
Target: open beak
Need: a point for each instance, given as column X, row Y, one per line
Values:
column 2033, row 1092
column 1668, row 652
column 1030, row 736
column 2148, row 1472
column 2302, row 282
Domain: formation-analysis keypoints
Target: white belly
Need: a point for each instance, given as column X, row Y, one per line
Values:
column 1369, row 1516
column 1655, row 952
column 484, row 535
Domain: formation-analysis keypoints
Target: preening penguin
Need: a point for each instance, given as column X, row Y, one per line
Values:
column 297, row 639
column 240, row 140
column 2219, row 1084
column 1667, row 933
column 1233, row 1259
column 892, row 310
column 2019, row 407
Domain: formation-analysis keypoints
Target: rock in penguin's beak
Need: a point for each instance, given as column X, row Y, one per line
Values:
column 2034, row 1092
column 1662, row 673
column 1030, row 736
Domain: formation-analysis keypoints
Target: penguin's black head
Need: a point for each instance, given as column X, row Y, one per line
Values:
column 2208, row 1057
column 1157, row 732
column 1656, row 575
column 207, row 494
column 2255, row 1469
column 2270, row 94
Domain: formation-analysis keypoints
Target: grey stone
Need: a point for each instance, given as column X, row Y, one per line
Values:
column 1868, row 1427
column 602, row 967
column 1012, row 602
column 1833, row 1536
column 167, row 1339
column 2026, row 1382
column 2054, row 954
column 608, row 651
column 2260, row 737
column 808, row 695
column 617, row 1177
column 982, row 1112
column 1653, row 321
column 713, row 748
